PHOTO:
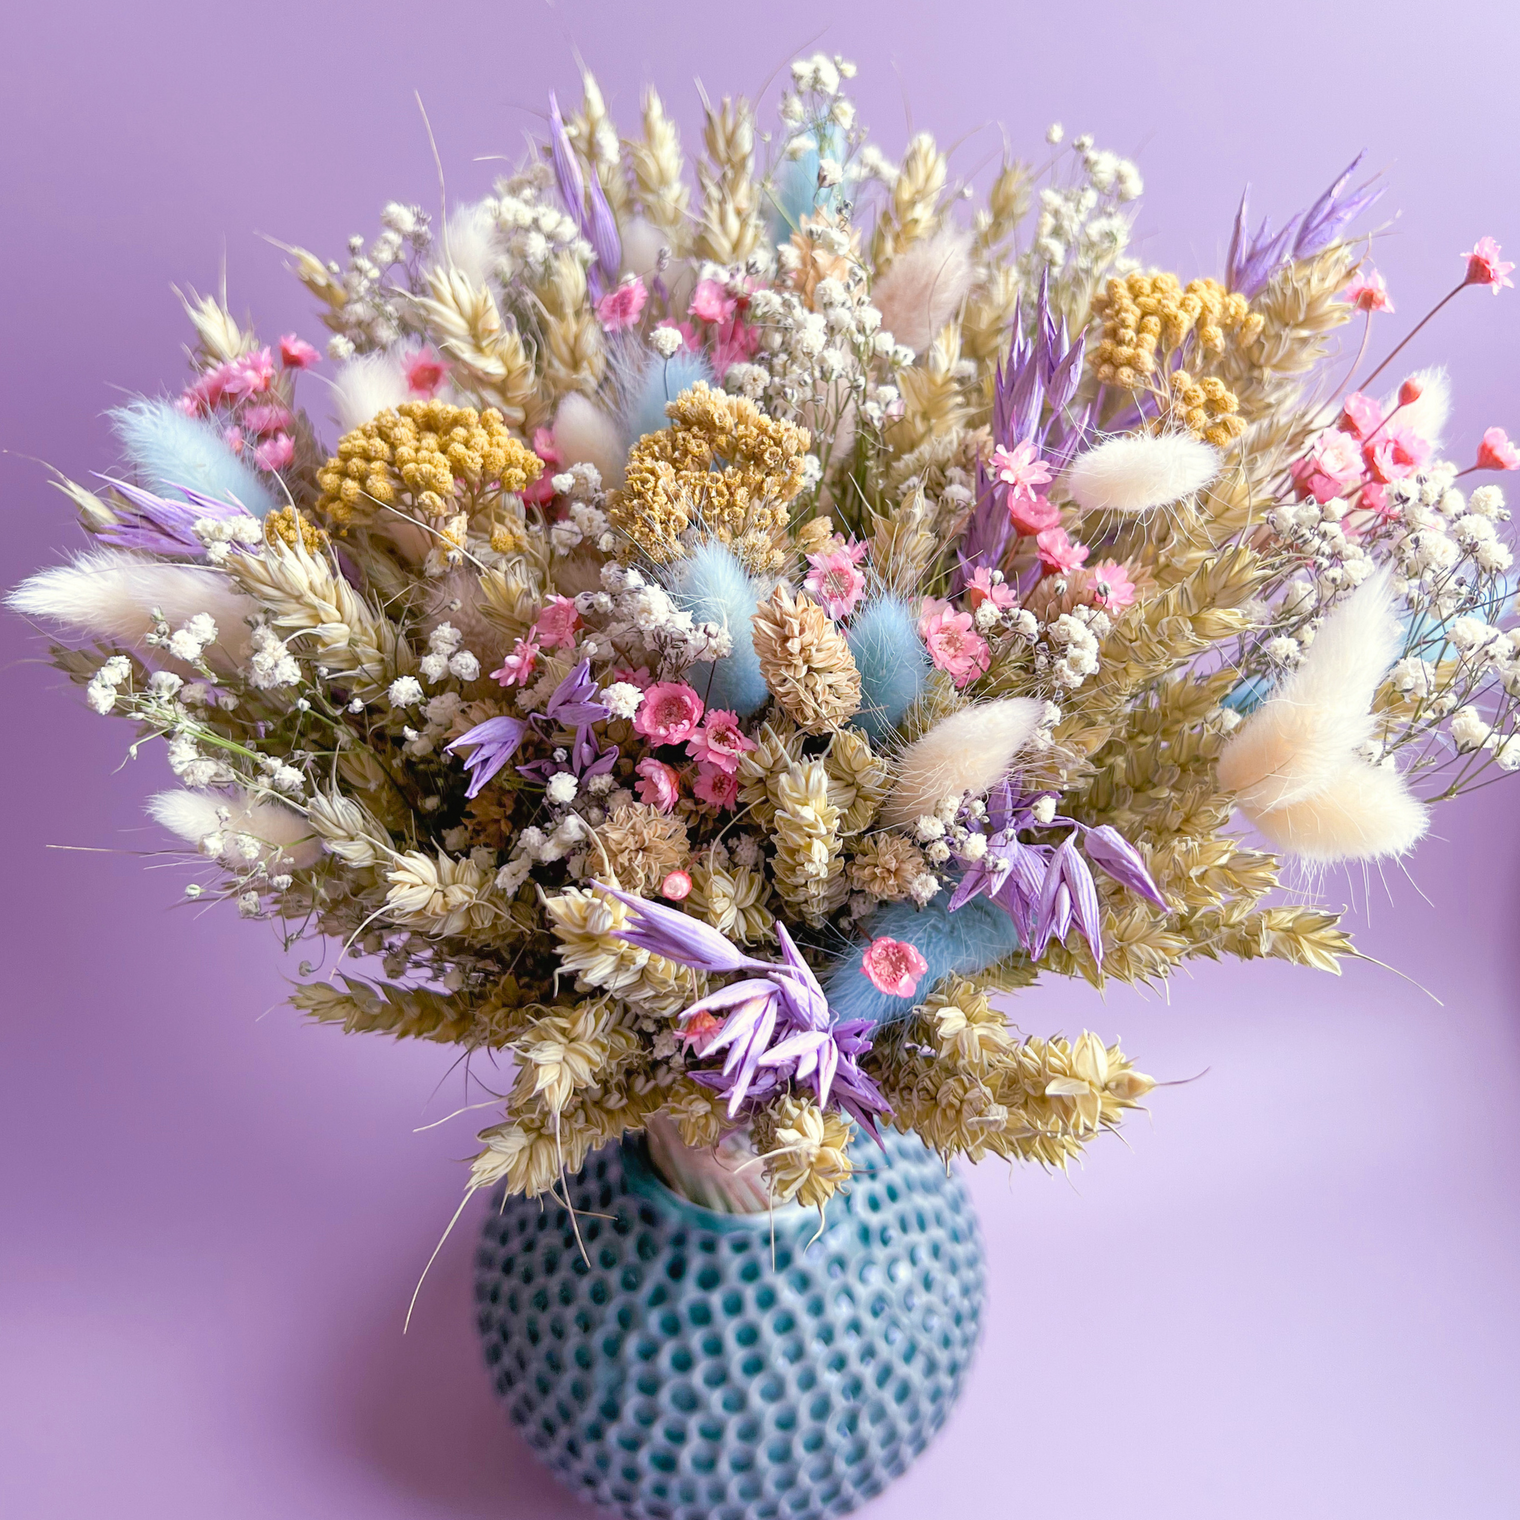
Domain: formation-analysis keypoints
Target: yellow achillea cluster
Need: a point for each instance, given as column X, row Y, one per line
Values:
column 1146, row 314
column 721, row 464
column 1207, row 408
column 288, row 526
column 422, row 452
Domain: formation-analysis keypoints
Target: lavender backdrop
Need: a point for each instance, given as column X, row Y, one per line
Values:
column 1294, row 1293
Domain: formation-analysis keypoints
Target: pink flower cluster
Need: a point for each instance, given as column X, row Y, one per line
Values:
column 893, row 966
column 1023, row 472
column 262, row 422
column 835, row 579
column 953, row 643
column 1366, row 452
column 673, row 713
column 619, row 309
column 732, row 341
column 1485, row 267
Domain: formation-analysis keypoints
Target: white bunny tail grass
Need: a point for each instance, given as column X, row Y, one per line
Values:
column 471, row 242
column 211, row 821
column 1427, row 415
column 367, row 386
column 924, row 288
column 1300, row 739
column 1364, row 812
column 967, row 752
column 643, row 244
column 1138, row 473
column 585, row 434
column 108, row 594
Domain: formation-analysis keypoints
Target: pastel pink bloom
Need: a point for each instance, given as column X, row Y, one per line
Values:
column 953, row 644
column 1411, row 390
column 1374, row 499
column 1329, row 469
column 1485, row 267
column 275, row 453
column 676, row 886
column 718, row 742
column 669, row 713
column 835, row 582
column 559, row 622
column 1367, row 292
column 711, row 303
column 982, row 588
column 297, row 353
column 424, row 372
column 1361, row 416
column 187, row 404
column 267, row 419
column 658, row 784
column 620, row 308
column 1112, row 584
column 717, row 787
column 627, row 673
column 1032, row 516
column 1020, row 469
column 233, row 438
column 1058, row 554
column 1395, row 453
column 1496, row 452
column 541, row 492
column 894, row 966
column 250, row 375
column 517, row 668
column 735, row 344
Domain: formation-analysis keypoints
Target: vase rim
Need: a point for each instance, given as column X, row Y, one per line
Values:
column 643, row 1178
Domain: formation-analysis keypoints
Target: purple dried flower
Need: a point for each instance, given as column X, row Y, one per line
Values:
column 1330, row 215
column 159, row 526
column 1110, row 851
column 573, row 703
column 496, row 741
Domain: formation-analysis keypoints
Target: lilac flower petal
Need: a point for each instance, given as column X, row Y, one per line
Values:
column 496, row 741
column 1324, row 221
column 567, row 169
column 603, row 236
column 1084, row 897
column 804, row 1042
column 679, row 937
column 1110, row 851
column 573, row 703
column 727, row 997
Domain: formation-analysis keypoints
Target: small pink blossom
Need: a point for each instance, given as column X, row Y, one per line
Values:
column 626, row 673
column 1367, row 292
column 1496, row 452
column 424, row 372
column 1395, row 453
column 559, row 622
column 187, row 405
column 836, row 582
column 1485, row 267
column 718, row 787
column 1411, row 391
column 1361, row 416
column 250, row 374
column 1032, row 517
column 711, row 303
column 735, row 344
column 275, row 453
column 658, row 784
column 719, row 742
column 517, row 668
column 669, row 713
column 1112, row 585
column 266, row 419
column 233, row 438
column 619, row 309
column 541, row 492
column 297, row 353
column 953, row 644
column 894, row 966
column 1329, row 469
column 1058, row 554
column 676, row 886
column 1020, row 469
column 982, row 588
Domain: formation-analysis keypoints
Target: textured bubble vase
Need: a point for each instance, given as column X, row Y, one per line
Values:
column 699, row 1369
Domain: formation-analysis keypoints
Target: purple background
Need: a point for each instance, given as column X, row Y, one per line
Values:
column 1294, row 1294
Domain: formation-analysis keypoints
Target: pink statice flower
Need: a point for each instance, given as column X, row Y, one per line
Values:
column 711, row 303
column 1032, row 516
column 658, row 784
column 676, row 887
column 233, row 438
column 669, row 713
column 835, row 582
column 1485, row 267
column 275, row 453
column 631, row 677
column 1496, row 452
column 1058, row 554
column 1020, row 469
column 1112, row 585
column 1329, row 469
column 719, row 742
column 267, row 419
column 893, row 965
column 249, row 374
column 982, row 588
column 558, row 624
column 619, row 309
column 1394, row 453
column 517, row 668
column 297, row 353
column 1361, row 416
column 718, row 787
column 953, row 644
column 541, row 492
column 735, row 344
column 425, row 372
column 1367, row 292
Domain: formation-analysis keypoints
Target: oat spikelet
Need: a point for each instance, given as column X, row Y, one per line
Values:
column 489, row 358
column 573, row 354
column 808, row 870
column 596, row 140
column 806, row 662
column 408, row 1013
column 934, row 401
column 730, row 228
column 583, row 922
column 777, row 745
column 657, row 174
column 858, row 780
column 805, row 1149
column 914, row 209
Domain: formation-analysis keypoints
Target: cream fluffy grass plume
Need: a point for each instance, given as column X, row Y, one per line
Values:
column 696, row 631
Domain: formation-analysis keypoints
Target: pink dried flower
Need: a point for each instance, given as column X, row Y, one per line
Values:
column 735, row 344
column 250, row 374
column 619, row 309
column 1367, row 292
column 1058, row 554
column 1112, row 585
column 1032, row 517
column 626, row 673
column 894, row 966
column 711, row 303
column 297, row 353
column 1485, row 267
column 719, row 742
column 1329, row 469
column 233, row 438
column 1361, row 416
column 669, row 713
column 275, row 453
column 559, row 622
column 1020, row 469
column 953, row 644
column 424, row 372
column 658, row 784
column 517, row 668
column 676, row 886
column 982, row 588
column 1496, row 452
column 718, row 787
column 835, row 581
column 266, row 419
column 1395, row 453
column 541, row 492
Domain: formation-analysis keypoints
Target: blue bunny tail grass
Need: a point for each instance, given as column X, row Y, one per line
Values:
column 714, row 587
column 977, row 935
column 663, row 380
column 169, row 450
column 796, row 193
column 893, row 665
